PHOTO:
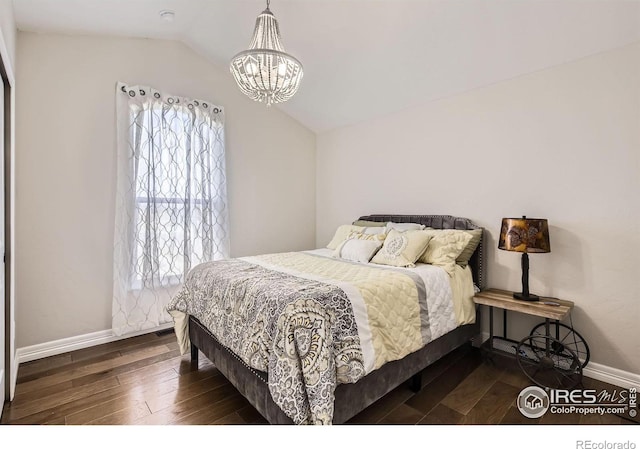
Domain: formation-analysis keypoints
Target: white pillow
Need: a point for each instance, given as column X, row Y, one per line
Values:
column 357, row 250
column 401, row 227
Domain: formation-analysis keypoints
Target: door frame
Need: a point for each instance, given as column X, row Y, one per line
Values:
column 8, row 82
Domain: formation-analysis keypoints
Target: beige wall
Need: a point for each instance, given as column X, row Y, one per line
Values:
column 563, row 144
column 66, row 180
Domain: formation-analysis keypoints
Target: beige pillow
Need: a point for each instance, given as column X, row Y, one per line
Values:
column 445, row 247
column 467, row 252
column 341, row 234
column 402, row 249
column 343, row 231
column 366, row 235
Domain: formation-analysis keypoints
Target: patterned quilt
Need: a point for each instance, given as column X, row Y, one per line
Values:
column 313, row 322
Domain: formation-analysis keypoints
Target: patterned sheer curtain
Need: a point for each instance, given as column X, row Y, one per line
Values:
column 171, row 200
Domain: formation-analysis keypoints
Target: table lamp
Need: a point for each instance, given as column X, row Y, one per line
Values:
column 525, row 235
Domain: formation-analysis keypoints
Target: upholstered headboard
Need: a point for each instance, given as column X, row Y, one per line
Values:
column 477, row 262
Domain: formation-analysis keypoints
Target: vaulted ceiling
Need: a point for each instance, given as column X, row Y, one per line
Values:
column 366, row 58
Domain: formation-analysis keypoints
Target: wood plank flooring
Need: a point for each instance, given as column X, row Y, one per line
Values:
column 145, row 380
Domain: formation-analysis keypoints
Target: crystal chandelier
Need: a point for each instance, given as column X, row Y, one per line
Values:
column 265, row 72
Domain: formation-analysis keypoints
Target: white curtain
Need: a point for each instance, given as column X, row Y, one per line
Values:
column 171, row 200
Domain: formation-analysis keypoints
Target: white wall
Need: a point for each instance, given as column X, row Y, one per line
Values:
column 561, row 144
column 66, row 171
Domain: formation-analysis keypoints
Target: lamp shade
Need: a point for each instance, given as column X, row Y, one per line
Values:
column 525, row 235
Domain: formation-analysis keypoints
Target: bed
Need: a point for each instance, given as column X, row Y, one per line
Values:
column 326, row 361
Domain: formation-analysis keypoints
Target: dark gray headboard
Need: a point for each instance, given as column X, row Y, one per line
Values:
column 477, row 261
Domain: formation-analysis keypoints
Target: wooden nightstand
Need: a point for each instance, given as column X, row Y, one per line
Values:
column 549, row 359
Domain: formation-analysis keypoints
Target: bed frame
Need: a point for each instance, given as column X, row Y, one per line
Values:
column 350, row 399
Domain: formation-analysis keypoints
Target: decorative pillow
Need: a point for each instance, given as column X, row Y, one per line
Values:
column 363, row 235
column 467, row 252
column 343, row 231
column 358, row 250
column 341, row 234
column 370, row 224
column 445, row 247
column 404, row 226
column 402, row 249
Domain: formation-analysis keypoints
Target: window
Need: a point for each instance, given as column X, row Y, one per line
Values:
column 173, row 198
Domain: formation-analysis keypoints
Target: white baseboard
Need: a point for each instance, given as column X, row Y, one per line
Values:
column 42, row 350
column 604, row 373
column 14, row 376
column 613, row 376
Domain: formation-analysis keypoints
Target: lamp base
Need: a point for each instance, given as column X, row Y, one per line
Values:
column 524, row 297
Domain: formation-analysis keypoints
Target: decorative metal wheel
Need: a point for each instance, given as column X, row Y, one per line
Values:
column 567, row 337
column 549, row 363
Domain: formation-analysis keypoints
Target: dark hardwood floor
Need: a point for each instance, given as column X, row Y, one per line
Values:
column 145, row 380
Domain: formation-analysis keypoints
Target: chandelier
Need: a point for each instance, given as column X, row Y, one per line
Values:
column 265, row 72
